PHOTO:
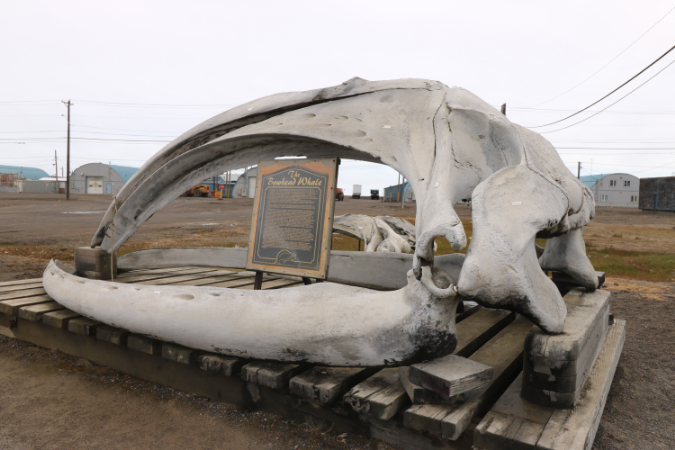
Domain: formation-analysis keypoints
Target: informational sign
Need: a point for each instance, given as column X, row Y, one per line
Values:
column 293, row 217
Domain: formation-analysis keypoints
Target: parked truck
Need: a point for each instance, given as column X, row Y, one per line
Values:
column 339, row 194
column 374, row 194
column 356, row 192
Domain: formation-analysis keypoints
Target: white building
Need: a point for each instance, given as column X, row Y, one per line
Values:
column 617, row 189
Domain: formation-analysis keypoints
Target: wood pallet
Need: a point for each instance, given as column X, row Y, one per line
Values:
column 371, row 402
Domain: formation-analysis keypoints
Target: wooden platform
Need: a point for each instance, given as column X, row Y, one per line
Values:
column 371, row 402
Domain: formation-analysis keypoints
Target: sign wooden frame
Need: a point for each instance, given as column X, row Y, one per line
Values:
column 292, row 223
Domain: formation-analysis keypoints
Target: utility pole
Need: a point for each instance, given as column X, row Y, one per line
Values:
column 403, row 195
column 56, row 170
column 68, row 152
column 579, row 170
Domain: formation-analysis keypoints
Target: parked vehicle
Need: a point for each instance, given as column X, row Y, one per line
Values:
column 201, row 190
column 339, row 194
column 356, row 192
column 374, row 194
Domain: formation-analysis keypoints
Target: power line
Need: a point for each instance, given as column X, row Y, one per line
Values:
column 622, row 85
column 612, row 104
column 610, row 62
column 154, row 105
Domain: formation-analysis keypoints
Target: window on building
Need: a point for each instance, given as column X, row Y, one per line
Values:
column 612, row 182
column 626, row 183
column 633, row 198
column 604, row 198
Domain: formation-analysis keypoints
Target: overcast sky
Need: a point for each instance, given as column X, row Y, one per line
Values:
column 169, row 65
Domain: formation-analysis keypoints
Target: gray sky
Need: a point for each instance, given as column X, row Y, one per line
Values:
column 221, row 54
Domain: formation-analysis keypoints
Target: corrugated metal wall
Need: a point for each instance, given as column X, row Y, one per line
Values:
column 657, row 194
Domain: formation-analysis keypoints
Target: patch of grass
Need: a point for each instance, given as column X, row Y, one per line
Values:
column 632, row 264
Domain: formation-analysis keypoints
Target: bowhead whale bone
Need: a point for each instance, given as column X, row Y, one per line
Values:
column 379, row 233
column 324, row 323
column 450, row 145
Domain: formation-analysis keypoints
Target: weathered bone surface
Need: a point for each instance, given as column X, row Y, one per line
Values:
column 323, row 323
column 379, row 233
column 446, row 141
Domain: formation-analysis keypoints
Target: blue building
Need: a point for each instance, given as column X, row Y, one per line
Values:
column 31, row 173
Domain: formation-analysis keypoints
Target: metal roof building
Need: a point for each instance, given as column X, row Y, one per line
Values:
column 32, row 173
column 99, row 178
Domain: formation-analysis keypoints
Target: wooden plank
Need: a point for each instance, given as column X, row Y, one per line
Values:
column 326, row 384
column 504, row 354
column 224, row 365
column 547, row 428
column 270, row 374
column 144, row 344
column 450, row 375
column 275, row 284
column 35, row 312
column 60, row 318
column 179, row 279
column 239, row 282
column 84, row 326
column 113, row 335
column 20, row 287
column 380, row 396
column 212, row 280
column 472, row 333
column 556, row 367
column 133, row 277
column 11, row 307
column 177, row 353
column 22, row 294
column 20, row 282
column 358, row 396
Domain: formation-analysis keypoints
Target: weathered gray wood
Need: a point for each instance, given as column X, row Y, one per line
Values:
column 472, row 333
column 325, row 384
column 113, row 335
column 177, row 353
column 358, row 396
column 84, row 326
column 240, row 281
column 20, row 287
column 180, row 278
column 381, row 396
column 35, row 312
column 450, row 375
column 225, row 365
column 20, row 282
column 11, row 307
column 147, row 275
column 556, row 367
column 275, row 284
column 22, row 294
column 144, row 344
column 270, row 374
column 60, row 318
column 368, row 269
column 514, row 422
column 504, row 354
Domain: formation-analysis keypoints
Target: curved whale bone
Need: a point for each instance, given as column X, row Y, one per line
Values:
column 352, row 327
column 450, row 145
column 379, row 233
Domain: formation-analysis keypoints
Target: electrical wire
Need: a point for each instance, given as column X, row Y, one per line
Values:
column 622, row 85
column 610, row 62
column 612, row 104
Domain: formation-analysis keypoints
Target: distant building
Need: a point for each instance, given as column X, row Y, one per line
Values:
column 30, row 173
column 616, row 189
column 246, row 184
column 657, row 194
column 99, row 178
column 398, row 191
